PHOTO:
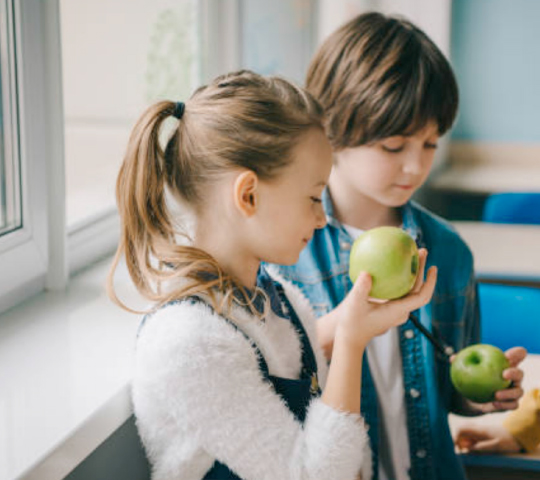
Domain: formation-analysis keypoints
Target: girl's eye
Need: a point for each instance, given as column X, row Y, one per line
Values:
column 316, row 200
column 431, row 145
column 393, row 149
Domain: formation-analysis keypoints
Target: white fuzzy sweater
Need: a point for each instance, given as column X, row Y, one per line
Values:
column 199, row 395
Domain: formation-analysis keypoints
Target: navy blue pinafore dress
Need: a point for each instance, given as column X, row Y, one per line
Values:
column 297, row 394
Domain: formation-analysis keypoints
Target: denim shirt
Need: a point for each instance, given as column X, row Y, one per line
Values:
column 452, row 315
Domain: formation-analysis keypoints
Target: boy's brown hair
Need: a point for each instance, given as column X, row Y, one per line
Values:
column 380, row 76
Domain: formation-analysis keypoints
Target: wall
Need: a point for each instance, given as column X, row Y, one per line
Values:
column 497, row 61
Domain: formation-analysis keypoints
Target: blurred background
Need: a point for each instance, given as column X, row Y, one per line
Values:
column 119, row 56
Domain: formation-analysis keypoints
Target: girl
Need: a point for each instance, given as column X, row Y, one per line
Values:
column 228, row 370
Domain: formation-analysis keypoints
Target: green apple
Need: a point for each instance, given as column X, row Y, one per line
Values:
column 476, row 372
column 390, row 256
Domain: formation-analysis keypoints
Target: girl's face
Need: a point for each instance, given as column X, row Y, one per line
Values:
column 290, row 206
column 390, row 170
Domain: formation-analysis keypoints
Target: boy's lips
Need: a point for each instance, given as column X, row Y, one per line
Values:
column 405, row 187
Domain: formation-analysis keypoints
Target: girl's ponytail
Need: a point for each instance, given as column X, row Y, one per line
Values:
column 140, row 196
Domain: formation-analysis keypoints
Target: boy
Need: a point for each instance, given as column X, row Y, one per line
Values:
column 389, row 94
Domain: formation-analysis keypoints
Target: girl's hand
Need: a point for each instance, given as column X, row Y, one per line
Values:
column 360, row 318
column 489, row 438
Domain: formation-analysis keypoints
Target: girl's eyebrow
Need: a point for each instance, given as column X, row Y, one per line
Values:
column 322, row 183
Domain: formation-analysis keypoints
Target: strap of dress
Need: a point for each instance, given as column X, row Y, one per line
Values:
column 309, row 362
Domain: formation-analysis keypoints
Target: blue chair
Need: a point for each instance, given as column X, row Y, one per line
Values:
column 510, row 316
column 523, row 208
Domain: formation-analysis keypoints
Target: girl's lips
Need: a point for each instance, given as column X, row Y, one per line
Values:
column 405, row 187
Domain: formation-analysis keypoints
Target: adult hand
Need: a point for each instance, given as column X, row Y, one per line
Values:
column 486, row 438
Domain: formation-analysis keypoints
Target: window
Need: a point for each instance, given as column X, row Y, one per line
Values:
column 10, row 200
column 117, row 58
column 74, row 77
column 25, row 148
column 57, row 173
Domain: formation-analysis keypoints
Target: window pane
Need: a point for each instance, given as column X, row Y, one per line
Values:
column 278, row 37
column 117, row 58
column 10, row 200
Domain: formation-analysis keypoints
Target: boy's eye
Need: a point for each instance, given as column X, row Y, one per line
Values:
column 431, row 145
column 316, row 199
column 392, row 149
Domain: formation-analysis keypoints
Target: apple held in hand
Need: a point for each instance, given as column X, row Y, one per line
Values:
column 390, row 256
column 476, row 372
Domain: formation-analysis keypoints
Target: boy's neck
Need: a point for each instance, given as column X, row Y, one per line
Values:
column 359, row 211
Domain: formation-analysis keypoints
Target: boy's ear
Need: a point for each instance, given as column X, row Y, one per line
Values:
column 245, row 193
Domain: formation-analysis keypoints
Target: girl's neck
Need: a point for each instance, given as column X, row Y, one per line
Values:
column 357, row 210
column 232, row 258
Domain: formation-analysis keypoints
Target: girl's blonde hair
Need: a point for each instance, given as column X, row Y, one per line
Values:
column 240, row 120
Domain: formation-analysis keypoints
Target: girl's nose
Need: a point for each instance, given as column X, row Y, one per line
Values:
column 320, row 216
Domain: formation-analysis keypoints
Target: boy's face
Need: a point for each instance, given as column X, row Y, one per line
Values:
column 390, row 170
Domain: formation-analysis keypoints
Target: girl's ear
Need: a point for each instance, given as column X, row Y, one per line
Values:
column 245, row 193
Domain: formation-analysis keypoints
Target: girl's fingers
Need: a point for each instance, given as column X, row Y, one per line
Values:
column 413, row 301
column 423, row 296
column 422, row 257
column 362, row 286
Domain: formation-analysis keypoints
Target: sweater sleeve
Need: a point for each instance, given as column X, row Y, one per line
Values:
column 203, row 376
column 524, row 423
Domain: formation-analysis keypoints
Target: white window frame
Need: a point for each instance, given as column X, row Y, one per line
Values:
column 26, row 253
column 43, row 253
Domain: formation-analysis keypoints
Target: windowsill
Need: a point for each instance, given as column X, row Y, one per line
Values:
column 65, row 365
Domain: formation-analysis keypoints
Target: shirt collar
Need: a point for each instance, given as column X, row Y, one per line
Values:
column 410, row 225
column 329, row 209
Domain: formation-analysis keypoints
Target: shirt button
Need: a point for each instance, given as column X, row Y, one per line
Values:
column 345, row 245
column 421, row 453
column 414, row 393
column 409, row 334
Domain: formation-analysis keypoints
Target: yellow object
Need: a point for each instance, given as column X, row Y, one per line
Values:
column 524, row 423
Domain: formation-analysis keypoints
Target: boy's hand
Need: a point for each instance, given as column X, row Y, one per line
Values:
column 489, row 438
column 508, row 398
